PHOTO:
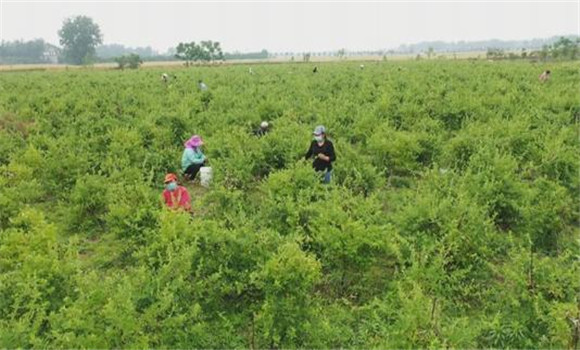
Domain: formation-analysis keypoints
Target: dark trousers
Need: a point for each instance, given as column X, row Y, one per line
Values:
column 192, row 170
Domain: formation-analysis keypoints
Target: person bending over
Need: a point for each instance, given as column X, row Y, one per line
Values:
column 193, row 158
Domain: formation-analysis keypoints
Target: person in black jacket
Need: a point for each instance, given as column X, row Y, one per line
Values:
column 322, row 150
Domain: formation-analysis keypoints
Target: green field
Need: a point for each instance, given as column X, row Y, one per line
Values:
column 451, row 220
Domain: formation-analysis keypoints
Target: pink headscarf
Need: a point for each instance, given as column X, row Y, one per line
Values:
column 193, row 142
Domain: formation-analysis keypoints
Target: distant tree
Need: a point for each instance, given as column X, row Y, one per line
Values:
column 79, row 37
column 134, row 61
column 207, row 51
column 490, row 53
column 524, row 53
column 131, row 61
column 495, row 53
column 211, row 51
column 430, row 52
column 565, row 48
column 341, row 53
column 120, row 62
column 188, row 52
column 544, row 53
column 575, row 49
column 306, row 57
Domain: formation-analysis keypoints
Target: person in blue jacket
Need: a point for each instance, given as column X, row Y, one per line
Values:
column 193, row 158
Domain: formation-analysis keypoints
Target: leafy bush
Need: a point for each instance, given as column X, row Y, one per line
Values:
column 131, row 61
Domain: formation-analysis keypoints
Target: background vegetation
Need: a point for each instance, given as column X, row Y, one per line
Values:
column 82, row 44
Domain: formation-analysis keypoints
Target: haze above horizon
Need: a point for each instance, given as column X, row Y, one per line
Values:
column 281, row 26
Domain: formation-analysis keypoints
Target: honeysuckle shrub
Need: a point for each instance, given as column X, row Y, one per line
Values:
column 451, row 220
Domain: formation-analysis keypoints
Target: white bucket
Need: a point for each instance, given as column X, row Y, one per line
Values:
column 205, row 175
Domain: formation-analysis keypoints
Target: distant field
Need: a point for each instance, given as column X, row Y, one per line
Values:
column 39, row 67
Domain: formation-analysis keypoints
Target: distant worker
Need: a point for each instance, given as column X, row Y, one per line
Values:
column 193, row 158
column 322, row 150
column 250, row 71
column 263, row 129
column 175, row 196
column 545, row 76
column 315, row 70
column 164, row 77
column 362, row 66
column 202, row 85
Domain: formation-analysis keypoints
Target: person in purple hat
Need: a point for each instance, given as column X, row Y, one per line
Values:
column 193, row 158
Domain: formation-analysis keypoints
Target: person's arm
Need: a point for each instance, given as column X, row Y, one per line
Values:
column 328, row 154
column 331, row 154
column 185, row 199
column 164, row 199
column 197, row 157
column 310, row 151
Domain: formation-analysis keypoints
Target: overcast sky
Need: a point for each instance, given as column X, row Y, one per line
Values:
column 294, row 26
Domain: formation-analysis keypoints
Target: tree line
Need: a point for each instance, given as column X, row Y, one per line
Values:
column 482, row 45
column 81, row 43
column 19, row 51
column 564, row 48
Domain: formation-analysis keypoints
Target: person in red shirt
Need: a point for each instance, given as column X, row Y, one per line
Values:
column 175, row 196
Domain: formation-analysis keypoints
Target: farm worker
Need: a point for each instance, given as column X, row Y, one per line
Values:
column 263, row 130
column 164, row 77
column 202, row 85
column 315, row 70
column 362, row 66
column 251, row 71
column 193, row 158
column 322, row 150
column 545, row 76
column 175, row 196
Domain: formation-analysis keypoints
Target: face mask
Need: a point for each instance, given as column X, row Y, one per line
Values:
column 319, row 138
column 172, row 186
